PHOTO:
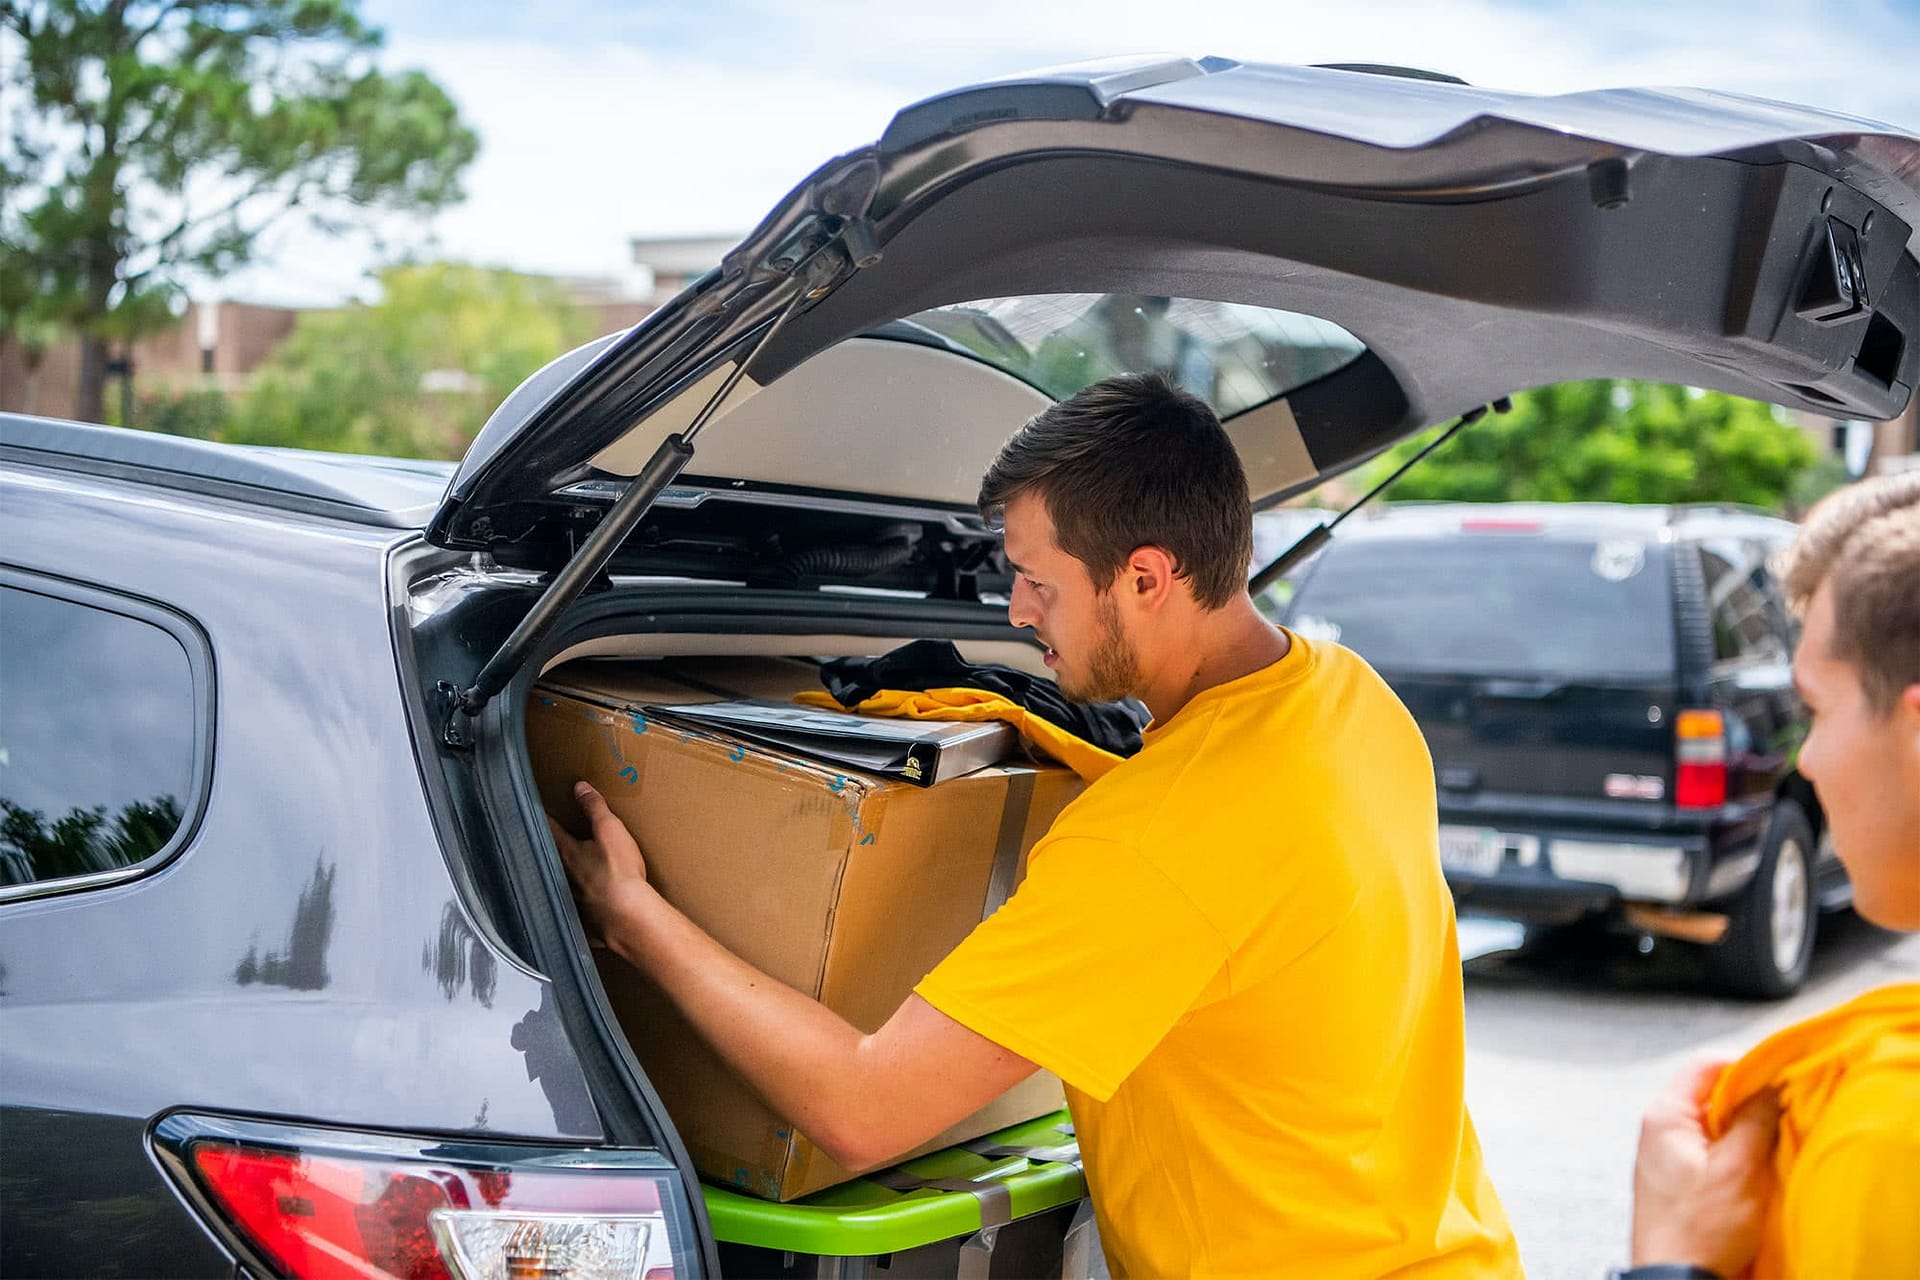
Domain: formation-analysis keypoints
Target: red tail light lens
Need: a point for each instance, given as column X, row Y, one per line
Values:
column 1700, row 757
column 1700, row 786
column 323, row 1205
column 327, row 1219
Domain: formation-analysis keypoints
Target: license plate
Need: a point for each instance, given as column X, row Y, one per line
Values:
column 1474, row 850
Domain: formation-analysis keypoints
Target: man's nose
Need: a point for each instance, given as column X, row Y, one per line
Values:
column 1020, row 609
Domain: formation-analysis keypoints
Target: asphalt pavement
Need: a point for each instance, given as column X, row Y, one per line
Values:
column 1567, row 1043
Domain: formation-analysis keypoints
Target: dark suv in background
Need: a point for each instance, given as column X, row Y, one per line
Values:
column 1608, row 695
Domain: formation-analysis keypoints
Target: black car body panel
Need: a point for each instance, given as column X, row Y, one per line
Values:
column 1546, row 737
column 315, row 920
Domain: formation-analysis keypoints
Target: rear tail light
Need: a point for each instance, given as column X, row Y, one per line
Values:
column 1700, row 755
column 326, row 1205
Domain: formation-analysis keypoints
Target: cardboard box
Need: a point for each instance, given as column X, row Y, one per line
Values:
column 845, row 887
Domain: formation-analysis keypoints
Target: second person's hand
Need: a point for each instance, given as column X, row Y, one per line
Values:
column 1698, row 1200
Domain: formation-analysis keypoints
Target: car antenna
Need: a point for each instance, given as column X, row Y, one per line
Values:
column 1316, row 537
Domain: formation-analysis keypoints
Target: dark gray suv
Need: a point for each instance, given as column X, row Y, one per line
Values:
column 290, row 979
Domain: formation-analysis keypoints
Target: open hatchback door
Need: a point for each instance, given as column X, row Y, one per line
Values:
column 1371, row 252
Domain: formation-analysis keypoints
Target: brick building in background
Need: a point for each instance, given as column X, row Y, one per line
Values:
column 214, row 344
column 219, row 345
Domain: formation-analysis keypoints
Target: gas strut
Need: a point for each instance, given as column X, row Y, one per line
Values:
column 675, row 451
column 1316, row 537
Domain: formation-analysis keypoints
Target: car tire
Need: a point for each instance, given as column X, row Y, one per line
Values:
column 1769, row 942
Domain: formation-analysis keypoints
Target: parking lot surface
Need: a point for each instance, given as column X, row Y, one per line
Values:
column 1566, row 1044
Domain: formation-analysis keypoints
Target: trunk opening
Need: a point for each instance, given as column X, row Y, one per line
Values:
column 821, row 909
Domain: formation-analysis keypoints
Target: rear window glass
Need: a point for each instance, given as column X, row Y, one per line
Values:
column 1230, row 355
column 1493, row 604
column 97, row 738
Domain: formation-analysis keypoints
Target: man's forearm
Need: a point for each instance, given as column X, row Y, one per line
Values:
column 810, row 1065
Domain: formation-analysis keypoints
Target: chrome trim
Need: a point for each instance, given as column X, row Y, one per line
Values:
column 1732, row 873
column 1653, row 873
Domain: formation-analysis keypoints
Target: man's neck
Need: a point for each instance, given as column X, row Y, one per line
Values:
column 1220, row 647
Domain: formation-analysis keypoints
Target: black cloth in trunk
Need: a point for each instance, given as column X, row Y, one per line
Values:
column 937, row 664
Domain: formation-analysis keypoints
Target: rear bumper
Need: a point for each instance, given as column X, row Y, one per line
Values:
column 1555, row 874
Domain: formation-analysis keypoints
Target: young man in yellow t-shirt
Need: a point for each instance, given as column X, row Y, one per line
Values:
column 1235, row 948
column 1803, row 1158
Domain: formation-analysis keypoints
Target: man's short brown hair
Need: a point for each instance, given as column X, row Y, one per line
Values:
column 1132, row 461
column 1865, row 541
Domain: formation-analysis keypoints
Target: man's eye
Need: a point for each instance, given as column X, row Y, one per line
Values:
column 1034, row 585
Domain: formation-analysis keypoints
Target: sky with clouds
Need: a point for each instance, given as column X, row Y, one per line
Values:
column 601, row 120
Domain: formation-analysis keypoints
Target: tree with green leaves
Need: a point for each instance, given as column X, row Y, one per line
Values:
column 1615, row 441
column 414, row 374
column 147, row 142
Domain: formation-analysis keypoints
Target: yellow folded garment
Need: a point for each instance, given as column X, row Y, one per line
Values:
column 1079, row 755
column 1847, row 1202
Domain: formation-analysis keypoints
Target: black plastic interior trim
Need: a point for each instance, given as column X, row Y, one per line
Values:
column 408, row 563
column 1389, row 69
column 1881, row 348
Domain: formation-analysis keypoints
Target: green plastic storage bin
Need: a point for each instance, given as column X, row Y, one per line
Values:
column 1013, row 1174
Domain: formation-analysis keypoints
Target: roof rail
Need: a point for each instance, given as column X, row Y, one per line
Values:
column 396, row 493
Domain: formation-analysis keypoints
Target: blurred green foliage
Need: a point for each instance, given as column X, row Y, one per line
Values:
column 1615, row 441
column 413, row 375
column 199, row 412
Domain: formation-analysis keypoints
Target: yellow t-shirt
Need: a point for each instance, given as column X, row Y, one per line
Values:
column 1848, row 1155
column 1238, row 952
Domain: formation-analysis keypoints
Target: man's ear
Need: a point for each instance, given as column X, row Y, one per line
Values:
column 1149, row 576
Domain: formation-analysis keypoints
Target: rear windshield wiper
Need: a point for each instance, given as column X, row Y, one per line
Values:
column 1316, row 537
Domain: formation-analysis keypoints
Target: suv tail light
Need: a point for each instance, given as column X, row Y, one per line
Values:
column 1700, row 756
column 327, row 1205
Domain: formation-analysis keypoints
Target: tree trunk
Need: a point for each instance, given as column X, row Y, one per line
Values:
column 126, row 384
column 35, row 358
column 91, row 403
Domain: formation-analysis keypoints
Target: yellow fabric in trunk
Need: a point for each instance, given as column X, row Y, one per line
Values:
column 1079, row 755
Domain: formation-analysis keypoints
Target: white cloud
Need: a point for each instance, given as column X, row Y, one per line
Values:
column 590, row 136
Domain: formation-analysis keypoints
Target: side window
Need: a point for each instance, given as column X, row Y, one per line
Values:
column 1748, row 622
column 100, row 727
column 1786, row 626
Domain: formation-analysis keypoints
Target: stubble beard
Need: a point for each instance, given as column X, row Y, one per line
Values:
column 1113, row 669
